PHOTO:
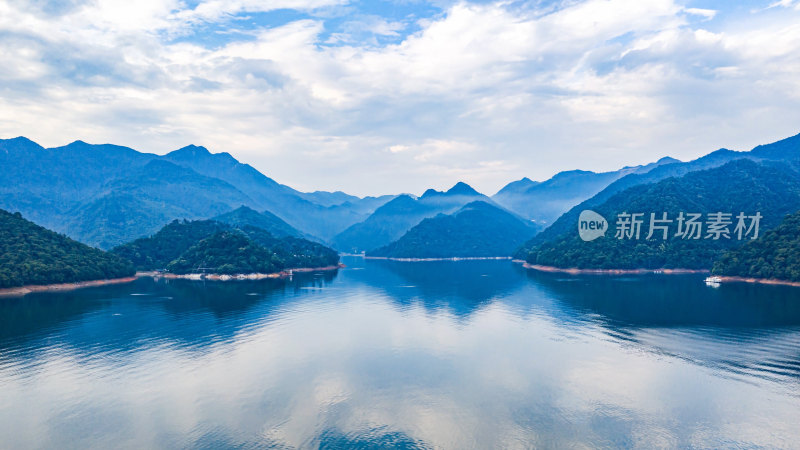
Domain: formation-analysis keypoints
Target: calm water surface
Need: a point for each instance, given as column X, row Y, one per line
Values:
column 473, row 354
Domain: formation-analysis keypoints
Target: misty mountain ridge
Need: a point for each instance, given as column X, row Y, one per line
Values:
column 544, row 202
column 392, row 220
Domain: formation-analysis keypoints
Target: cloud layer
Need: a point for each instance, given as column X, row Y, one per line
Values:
column 330, row 94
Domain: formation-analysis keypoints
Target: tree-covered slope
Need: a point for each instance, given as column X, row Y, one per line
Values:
column 157, row 251
column 169, row 249
column 225, row 252
column 244, row 216
column 774, row 255
column 476, row 230
column 771, row 189
column 31, row 254
column 291, row 251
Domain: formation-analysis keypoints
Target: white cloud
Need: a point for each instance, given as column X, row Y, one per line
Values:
column 514, row 91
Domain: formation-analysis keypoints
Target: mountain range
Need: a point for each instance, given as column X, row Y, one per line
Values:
column 106, row 195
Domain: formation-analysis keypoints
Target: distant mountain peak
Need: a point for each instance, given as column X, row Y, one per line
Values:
column 517, row 186
column 245, row 209
column 430, row 192
column 191, row 149
column 19, row 142
column 462, row 188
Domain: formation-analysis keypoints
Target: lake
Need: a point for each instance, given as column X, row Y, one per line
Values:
column 467, row 354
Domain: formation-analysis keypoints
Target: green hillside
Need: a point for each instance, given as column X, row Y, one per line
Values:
column 181, row 246
column 476, row 230
column 226, row 252
column 771, row 189
column 31, row 254
column 243, row 216
column 776, row 254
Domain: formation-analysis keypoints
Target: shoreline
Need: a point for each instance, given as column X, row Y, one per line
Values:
column 772, row 281
column 576, row 271
column 455, row 258
column 21, row 291
column 239, row 276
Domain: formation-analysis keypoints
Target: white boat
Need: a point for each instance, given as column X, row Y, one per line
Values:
column 713, row 280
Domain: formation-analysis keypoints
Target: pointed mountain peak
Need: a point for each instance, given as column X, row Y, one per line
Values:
column 462, row 188
column 191, row 149
column 244, row 209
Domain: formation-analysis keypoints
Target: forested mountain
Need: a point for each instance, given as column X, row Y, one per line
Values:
column 183, row 246
column 787, row 150
column 244, row 216
column 774, row 255
column 545, row 201
column 158, row 190
column 157, row 251
column 742, row 186
column 389, row 222
column 31, row 254
column 106, row 194
column 478, row 229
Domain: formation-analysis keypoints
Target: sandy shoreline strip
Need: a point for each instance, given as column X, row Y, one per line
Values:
column 241, row 276
column 576, row 271
column 724, row 279
column 24, row 290
column 28, row 289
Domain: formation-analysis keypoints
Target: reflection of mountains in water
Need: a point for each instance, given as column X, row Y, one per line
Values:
column 460, row 287
column 121, row 317
column 743, row 329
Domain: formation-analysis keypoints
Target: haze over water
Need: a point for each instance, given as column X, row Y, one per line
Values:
column 470, row 354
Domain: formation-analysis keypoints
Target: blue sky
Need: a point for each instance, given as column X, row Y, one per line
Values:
column 377, row 97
